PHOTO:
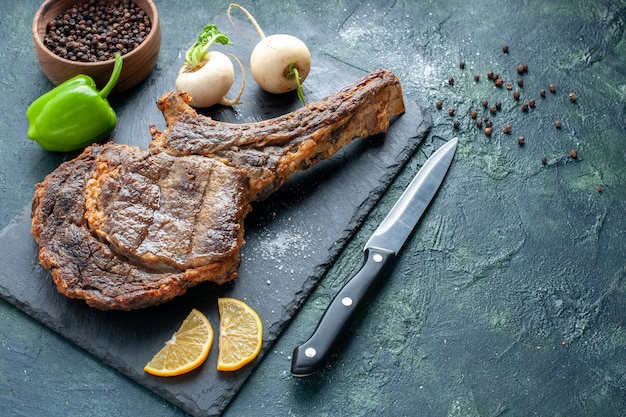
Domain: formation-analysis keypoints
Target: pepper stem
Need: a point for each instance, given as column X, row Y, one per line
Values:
column 115, row 75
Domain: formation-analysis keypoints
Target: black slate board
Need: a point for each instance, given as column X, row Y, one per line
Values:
column 292, row 239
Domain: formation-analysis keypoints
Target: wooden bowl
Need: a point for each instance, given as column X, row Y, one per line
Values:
column 138, row 63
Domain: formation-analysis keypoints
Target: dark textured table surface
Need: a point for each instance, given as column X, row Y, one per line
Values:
column 509, row 299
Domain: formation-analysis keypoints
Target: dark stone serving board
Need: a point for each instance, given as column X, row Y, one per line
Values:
column 292, row 239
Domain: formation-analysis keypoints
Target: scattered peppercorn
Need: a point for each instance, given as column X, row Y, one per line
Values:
column 462, row 65
column 451, row 111
column 438, row 104
column 520, row 69
column 516, row 95
column 507, row 129
column 499, row 82
column 499, row 106
column 525, row 67
column 557, row 124
column 476, row 77
column 521, row 140
column 485, row 103
column 520, row 82
column 473, row 114
column 488, row 124
column 552, row 88
column 573, row 153
column 505, row 49
column 490, row 75
column 451, row 81
column 493, row 109
column 599, row 188
column 94, row 31
column 524, row 106
column 488, row 131
column 544, row 161
column 509, row 86
column 572, row 97
column 531, row 103
column 479, row 123
column 542, row 92
column 486, row 119
column 456, row 124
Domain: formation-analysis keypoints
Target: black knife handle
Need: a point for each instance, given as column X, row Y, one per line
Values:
column 309, row 357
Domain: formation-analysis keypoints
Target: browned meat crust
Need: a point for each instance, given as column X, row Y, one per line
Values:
column 125, row 228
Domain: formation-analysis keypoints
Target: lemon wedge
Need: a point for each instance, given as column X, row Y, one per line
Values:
column 187, row 349
column 240, row 336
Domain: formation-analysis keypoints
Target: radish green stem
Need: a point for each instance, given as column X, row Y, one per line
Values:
column 292, row 71
column 209, row 35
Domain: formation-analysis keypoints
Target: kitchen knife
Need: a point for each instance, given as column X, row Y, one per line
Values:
column 380, row 250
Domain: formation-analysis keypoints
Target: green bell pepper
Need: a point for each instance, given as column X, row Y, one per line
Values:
column 73, row 114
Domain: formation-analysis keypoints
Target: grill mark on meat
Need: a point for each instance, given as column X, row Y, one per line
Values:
column 123, row 227
column 157, row 211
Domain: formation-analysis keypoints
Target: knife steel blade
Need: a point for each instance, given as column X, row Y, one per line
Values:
column 380, row 250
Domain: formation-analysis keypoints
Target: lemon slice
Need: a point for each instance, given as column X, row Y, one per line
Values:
column 241, row 334
column 186, row 350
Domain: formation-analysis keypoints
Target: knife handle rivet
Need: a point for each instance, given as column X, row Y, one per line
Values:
column 377, row 257
column 310, row 352
column 346, row 301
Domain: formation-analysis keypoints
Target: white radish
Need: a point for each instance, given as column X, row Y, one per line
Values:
column 208, row 75
column 274, row 58
column 279, row 63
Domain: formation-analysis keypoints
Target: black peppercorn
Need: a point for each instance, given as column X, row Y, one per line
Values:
column 572, row 97
column 521, row 140
column 516, row 95
column 507, row 129
column 451, row 81
column 542, row 92
column 96, row 30
column 438, row 104
column 451, row 112
column 476, row 77
column 505, row 49
column 456, row 124
column 462, row 65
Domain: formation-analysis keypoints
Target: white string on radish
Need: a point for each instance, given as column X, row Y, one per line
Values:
column 208, row 75
column 279, row 63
